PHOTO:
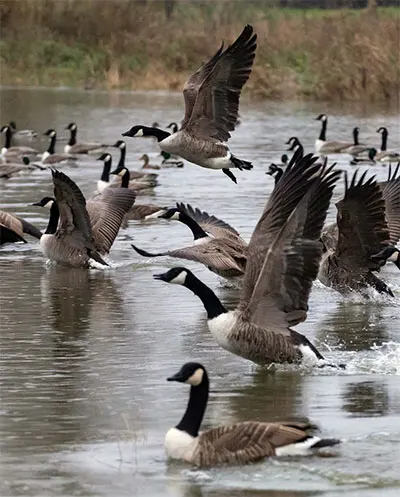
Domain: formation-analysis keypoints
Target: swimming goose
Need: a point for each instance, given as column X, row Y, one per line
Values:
column 12, row 229
column 324, row 147
column 86, row 229
column 121, row 145
column 22, row 135
column 9, row 169
column 383, row 156
column 224, row 252
column 362, row 233
column 142, row 183
column 282, row 262
column 211, row 107
column 49, row 156
column 357, row 148
column 239, row 443
column 14, row 152
column 80, row 148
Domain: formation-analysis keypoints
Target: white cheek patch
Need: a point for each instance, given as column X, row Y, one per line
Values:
column 394, row 256
column 123, row 145
column 180, row 279
column 53, row 133
column 121, row 173
column 139, row 132
column 49, row 204
column 196, row 378
column 175, row 215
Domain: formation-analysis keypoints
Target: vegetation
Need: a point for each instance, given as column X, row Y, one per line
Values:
column 323, row 54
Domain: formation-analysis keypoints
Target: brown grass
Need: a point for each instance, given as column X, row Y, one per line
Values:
column 330, row 55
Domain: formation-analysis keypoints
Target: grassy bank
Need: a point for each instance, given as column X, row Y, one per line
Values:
column 330, row 55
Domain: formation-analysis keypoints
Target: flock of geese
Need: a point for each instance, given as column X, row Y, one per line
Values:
column 289, row 249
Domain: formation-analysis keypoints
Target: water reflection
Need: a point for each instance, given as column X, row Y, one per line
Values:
column 366, row 398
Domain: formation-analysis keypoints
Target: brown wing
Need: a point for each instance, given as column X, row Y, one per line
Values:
column 293, row 185
column 216, row 108
column 245, row 442
column 211, row 254
column 391, row 195
column 192, row 85
column 210, row 223
column 10, row 228
column 363, row 230
column 106, row 213
column 282, row 290
column 72, row 205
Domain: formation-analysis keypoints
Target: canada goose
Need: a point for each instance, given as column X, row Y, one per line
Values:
column 143, row 212
column 211, row 107
column 13, row 152
column 282, row 262
column 324, row 147
column 224, row 252
column 357, row 148
column 9, row 169
column 86, row 229
column 145, row 158
column 362, row 233
column 80, row 148
column 134, row 175
column 239, row 443
column 275, row 171
column 12, row 229
column 173, row 127
column 22, row 135
column 49, row 156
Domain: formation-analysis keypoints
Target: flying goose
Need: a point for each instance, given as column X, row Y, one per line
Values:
column 282, row 262
column 49, row 156
column 239, row 443
column 78, row 230
column 362, row 233
column 224, row 252
column 12, row 229
column 141, row 183
column 211, row 108
column 73, row 147
column 324, row 147
column 9, row 152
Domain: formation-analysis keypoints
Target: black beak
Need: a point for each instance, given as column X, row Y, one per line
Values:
column 160, row 277
column 126, row 133
column 37, row 204
column 177, row 377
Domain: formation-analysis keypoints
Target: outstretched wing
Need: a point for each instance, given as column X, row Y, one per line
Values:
column 363, row 230
column 391, row 195
column 216, row 107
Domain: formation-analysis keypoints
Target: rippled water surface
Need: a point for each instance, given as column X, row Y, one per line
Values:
column 85, row 353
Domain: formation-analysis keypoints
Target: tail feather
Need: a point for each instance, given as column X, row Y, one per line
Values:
column 326, row 442
column 93, row 254
column 241, row 164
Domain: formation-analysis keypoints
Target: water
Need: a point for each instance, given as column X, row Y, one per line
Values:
column 85, row 354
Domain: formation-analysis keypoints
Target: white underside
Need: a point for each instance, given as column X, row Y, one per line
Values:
column 180, row 445
column 297, row 449
column 221, row 326
column 202, row 241
column 42, row 243
column 45, row 155
column 308, row 354
column 67, row 148
column 4, row 151
column 318, row 145
column 102, row 185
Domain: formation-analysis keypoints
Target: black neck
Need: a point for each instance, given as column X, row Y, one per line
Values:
column 125, row 179
column 121, row 162
column 8, row 136
column 355, row 136
column 191, row 421
column 211, row 302
column 384, row 140
column 53, row 219
column 322, row 135
column 105, row 175
column 72, row 138
column 196, row 229
column 156, row 132
column 52, row 145
column 278, row 174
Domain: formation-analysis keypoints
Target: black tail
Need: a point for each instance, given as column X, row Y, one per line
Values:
column 93, row 254
column 326, row 442
column 241, row 164
column 229, row 174
column 144, row 253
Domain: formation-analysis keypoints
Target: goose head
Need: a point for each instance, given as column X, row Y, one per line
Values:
column 144, row 157
column 284, row 159
column 388, row 254
column 119, row 144
column 293, row 142
column 120, row 171
column 12, row 125
column 173, row 126
column 176, row 275
column 105, row 157
column 72, row 127
column 45, row 202
column 372, row 153
column 173, row 213
column 382, row 130
column 50, row 132
column 191, row 373
column 321, row 117
column 273, row 169
column 137, row 131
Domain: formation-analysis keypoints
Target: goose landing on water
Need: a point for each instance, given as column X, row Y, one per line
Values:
column 211, row 108
column 282, row 262
column 239, row 443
